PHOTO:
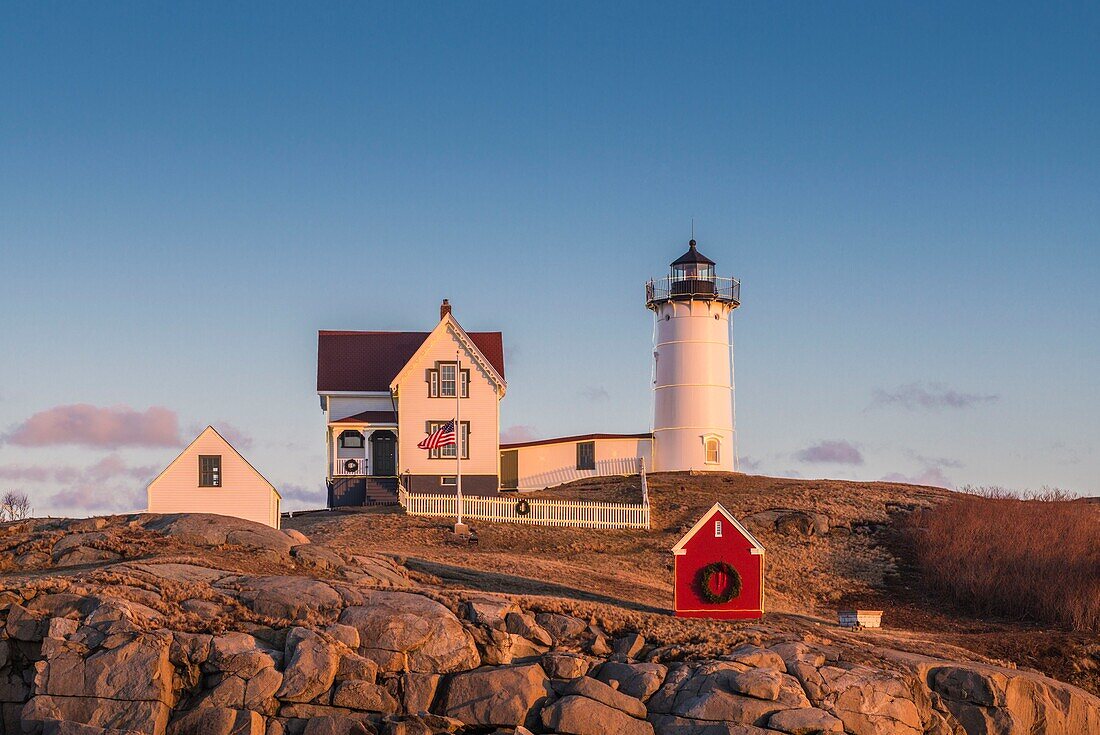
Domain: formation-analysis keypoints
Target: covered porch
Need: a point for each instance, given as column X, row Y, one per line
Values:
column 363, row 459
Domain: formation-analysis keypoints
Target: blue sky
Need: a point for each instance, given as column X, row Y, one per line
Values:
column 910, row 194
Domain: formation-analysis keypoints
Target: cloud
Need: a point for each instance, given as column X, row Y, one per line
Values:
column 834, row 452
column 931, row 396
column 928, row 476
column 110, row 467
column 748, row 464
column 595, row 394
column 97, row 498
column 931, row 472
column 103, row 428
column 300, row 497
column 937, row 461
column 232, row 434
column 518, row 433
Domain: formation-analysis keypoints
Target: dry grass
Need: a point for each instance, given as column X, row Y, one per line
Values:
column 1035, row 558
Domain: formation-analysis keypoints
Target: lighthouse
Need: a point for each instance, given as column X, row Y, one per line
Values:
column 693, row 366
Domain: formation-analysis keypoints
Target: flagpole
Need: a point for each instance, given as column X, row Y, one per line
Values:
column 458, row 437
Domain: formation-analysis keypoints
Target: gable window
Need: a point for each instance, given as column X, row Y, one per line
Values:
column 718, row 529
column 210, row 470
column 586, row 455
column 351, row 439
column 448, row 452
column 712, row 448
column 445, row 378
column 447, row 381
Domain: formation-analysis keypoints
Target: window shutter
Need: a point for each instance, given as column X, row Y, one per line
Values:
column 433, row 391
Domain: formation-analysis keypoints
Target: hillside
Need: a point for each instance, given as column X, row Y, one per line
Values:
column 829, row 543
column 370, row 621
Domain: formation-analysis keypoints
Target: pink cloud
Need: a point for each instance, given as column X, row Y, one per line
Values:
column 93, row 426
column 932, row 396
column 85, row 498
column 109, row 468
column 302, row 497
column 929, row 476
column 235, row 436
column 518, row 433
column 834, row 452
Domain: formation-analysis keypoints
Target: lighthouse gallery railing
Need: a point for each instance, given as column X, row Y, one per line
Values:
column 672, row 288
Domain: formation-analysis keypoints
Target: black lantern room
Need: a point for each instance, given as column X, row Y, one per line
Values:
column 692, row 274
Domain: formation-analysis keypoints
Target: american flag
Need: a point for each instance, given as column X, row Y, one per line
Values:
column 441, row 437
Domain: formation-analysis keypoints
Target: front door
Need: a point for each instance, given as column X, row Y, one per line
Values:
column 383, row 453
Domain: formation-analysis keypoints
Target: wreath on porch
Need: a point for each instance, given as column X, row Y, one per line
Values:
column 352, row 465
column 725, row 573
column 522, row 507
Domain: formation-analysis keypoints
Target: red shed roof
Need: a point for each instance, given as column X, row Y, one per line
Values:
column 757, row 547
column 369, row 361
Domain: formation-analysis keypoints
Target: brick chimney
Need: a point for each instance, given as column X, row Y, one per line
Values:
column 444, row 309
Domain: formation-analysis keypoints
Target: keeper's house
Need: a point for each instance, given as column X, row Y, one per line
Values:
column 383, row 392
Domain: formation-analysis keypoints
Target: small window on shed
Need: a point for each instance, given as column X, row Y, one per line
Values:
column 718, row 529
column 712, row 447
column 210, row 470
column 586, row 455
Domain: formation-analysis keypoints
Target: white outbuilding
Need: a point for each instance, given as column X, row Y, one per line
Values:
column 210, row 476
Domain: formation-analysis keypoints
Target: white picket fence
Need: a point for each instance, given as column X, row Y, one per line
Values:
column 573, row 513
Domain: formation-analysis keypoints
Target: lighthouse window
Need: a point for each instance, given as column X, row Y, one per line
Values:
column 712, row 447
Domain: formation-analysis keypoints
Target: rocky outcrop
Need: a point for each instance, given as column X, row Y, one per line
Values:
column 176, row 647
column 402, row 631
column 505, row 695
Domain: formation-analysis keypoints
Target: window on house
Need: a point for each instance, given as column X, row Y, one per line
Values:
column 210, row 470
column 351, row 440
column 448, row 481
column 447, row 381
column 448, row 452
column 712, row 447
column 718, row 529
column 445, row 378
column 586, row 455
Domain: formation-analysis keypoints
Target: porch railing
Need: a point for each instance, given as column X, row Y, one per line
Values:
column 349, row 467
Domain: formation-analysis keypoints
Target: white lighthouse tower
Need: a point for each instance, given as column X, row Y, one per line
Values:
column 693, row 366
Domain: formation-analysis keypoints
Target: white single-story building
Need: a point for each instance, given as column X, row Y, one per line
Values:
column 210, row 476
column 535, row 465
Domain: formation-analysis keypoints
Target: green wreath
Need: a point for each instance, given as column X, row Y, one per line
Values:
column 733, row 586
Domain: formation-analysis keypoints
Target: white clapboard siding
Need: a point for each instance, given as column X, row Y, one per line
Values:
column 572, row 513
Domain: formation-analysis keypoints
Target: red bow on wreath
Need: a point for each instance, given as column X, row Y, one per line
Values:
column 719, row 582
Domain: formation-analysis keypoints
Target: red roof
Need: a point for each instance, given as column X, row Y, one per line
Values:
column 577, row 438
column 369, row 417
column 369, row 361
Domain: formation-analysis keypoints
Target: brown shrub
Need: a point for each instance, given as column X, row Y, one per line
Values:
column 1036, row 557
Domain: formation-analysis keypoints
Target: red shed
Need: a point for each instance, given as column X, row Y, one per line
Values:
column 719, row 569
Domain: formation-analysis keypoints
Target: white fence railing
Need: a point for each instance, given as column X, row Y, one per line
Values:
column 539, row 511
column 349, row 466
